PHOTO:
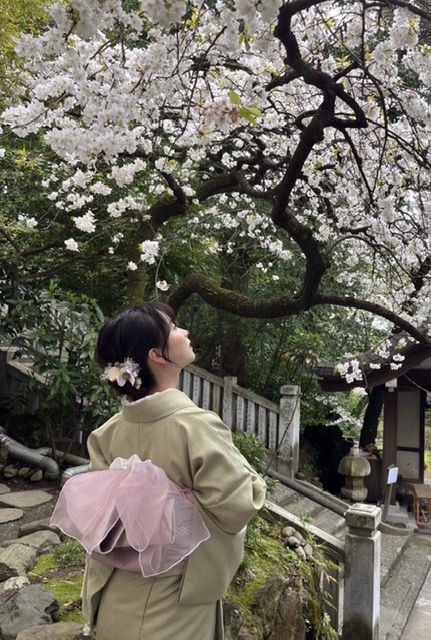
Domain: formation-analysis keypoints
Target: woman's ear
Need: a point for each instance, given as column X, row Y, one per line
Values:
column 155, row 356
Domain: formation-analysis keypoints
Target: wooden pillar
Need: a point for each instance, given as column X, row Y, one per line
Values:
column 422, row 437
column 390, row 421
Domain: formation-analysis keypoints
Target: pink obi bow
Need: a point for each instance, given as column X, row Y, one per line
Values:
column 130, row 516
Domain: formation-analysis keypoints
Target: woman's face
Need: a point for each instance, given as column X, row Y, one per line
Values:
column 180, row 350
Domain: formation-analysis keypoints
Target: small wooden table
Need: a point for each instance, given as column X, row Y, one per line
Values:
column 422, row 504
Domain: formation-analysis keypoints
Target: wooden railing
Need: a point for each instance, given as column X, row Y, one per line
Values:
column 240, row 409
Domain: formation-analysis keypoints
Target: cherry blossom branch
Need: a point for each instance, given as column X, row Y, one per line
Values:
column 405, row 5
column 376, row 309
column 35, row 251
column 10, row 240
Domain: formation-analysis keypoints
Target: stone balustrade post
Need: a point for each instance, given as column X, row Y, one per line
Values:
column 228, row 408
column 288, row 436
column 361, row 615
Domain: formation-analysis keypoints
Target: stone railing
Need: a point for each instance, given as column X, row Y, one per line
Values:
column 350, row 575
column 242, row 410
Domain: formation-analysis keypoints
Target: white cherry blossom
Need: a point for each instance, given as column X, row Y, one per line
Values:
column 162, row 285
column 86, row 222
column 71, row 244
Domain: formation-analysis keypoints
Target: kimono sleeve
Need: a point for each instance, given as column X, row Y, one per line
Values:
column 225, row 485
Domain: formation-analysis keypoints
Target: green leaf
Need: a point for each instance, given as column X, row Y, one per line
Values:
column 234, row 97
column 250, row 113
column 254, row 110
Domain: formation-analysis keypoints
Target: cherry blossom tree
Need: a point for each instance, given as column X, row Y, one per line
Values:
column 300, row 128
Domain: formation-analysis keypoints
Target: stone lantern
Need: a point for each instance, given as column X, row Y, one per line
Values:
column 354, row 468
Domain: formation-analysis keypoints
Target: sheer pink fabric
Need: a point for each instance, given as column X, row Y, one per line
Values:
column 130, row 516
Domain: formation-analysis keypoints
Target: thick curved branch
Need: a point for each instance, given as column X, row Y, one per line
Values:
column 218, row 184
column 233, row 302
column 282, row 306
column 175, row 187
column 302, row 235
column 419, row 277
column 10, row 240
column 27, row 253
column 408, row 5
column 313, row 76
column 313, row 133
column 171, row 207
column 376, row 309
column 279, row 81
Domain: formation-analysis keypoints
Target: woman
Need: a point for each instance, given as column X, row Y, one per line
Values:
column 143, row 352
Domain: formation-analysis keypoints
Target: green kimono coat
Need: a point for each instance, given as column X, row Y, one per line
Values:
column 195, row 449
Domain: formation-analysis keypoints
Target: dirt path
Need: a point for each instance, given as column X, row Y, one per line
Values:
column 10, row 530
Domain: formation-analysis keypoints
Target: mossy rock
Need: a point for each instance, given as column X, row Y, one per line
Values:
column 61, row 571
column 274, row 595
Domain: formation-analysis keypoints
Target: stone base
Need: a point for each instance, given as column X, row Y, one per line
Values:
column 397, row 515
column 356, row 494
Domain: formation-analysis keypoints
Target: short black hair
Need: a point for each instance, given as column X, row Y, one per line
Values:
column 132, row 334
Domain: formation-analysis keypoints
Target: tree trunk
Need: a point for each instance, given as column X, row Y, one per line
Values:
column 371, row 417
column 226, row 354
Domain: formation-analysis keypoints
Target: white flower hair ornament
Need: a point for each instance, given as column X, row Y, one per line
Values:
column 122, row 372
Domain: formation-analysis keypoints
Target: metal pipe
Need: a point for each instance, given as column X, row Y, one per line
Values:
column 73, row 471
column 62, row 456
column 24, row 454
